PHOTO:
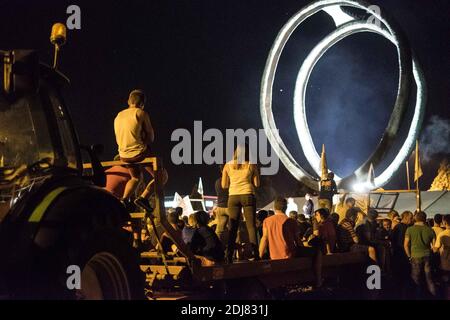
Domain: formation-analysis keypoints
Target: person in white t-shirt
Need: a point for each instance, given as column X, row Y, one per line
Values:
column 241, row 178
column 134, row 133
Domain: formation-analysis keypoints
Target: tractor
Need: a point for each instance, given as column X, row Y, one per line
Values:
column 62, row 235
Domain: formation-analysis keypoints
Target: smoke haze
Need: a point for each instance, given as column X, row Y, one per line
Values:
column 435, row 138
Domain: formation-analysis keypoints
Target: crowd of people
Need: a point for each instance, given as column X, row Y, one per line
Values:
column 412, row 252
column 408, row 248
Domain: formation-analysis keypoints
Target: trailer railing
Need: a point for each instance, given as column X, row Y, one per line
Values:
column 159, row 212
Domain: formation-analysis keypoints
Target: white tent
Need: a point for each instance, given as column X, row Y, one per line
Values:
column 433, row 202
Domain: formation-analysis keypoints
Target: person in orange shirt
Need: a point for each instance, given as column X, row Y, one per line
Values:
column 280, row 234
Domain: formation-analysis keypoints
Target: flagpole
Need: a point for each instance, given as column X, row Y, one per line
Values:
column 370, row 184
column 418, row 199
column 368, row 202
column 323, row 164
column 407, row 175
column 417, row 174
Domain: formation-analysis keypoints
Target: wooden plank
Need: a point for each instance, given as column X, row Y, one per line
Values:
column 156, row 255
column 160, row 269
column 266, row 267
column 106, row 164
column 137, row 215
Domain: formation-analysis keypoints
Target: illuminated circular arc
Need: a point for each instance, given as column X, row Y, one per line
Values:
column 404, row 75
column 300, row 100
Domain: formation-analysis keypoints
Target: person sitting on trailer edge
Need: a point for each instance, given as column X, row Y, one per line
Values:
column 180, row 222
column 166, row 240
column 189, row 229
column 134, row 133
column 117, row 178
column 205, row 243
column 260, row 217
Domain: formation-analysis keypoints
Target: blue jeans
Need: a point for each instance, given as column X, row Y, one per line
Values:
column 420, row 267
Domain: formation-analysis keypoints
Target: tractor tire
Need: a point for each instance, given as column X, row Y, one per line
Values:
column 107, row 265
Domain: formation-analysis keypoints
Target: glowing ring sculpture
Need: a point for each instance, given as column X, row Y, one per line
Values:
column 406, row 67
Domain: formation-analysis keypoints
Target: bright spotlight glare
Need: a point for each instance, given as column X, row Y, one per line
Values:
column 363, row 187
column 292, row 206
column 360, row 187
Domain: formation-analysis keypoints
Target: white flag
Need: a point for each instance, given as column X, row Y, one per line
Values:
column 177, row 200
column 371, row 177
column 200, row 186
column 187, row 206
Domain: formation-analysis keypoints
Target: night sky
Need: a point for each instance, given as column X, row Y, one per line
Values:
column 203, row 60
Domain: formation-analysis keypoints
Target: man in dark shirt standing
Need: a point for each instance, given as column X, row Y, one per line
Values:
column 221, row 210
column 399, row 231
column 367, row 233
column 328, row 189
column 400, row 265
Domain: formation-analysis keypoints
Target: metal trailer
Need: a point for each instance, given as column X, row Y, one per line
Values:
column 183, row 275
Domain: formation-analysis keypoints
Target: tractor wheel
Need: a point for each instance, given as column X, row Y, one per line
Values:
column 108, row 269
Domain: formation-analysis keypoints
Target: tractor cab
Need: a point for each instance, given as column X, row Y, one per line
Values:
column 36, row 135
